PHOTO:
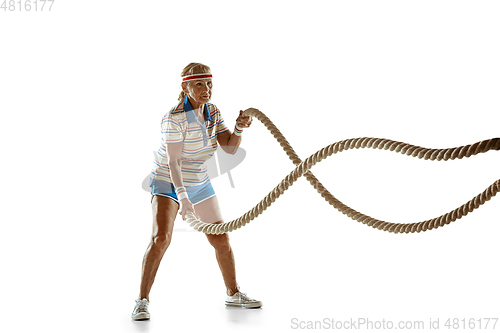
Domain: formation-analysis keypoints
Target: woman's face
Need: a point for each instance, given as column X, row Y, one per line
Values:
column 199, row 91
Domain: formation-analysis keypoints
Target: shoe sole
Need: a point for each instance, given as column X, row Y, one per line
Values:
column 141, row 316
column 247, row 306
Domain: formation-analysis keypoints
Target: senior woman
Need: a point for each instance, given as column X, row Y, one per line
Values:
column 179, row 181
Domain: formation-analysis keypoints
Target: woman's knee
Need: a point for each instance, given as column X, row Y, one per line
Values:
column 219, row 242
column 164, row 213
column 162, row 240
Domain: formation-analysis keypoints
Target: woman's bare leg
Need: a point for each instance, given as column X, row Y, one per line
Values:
column 164, row 213
column 225, row 259
column 208, row 211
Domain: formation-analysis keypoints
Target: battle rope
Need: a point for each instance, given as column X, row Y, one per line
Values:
column 303, row 167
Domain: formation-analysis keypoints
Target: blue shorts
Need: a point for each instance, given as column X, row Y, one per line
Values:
column 196, row 194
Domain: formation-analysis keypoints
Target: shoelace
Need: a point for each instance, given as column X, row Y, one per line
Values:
column 141, row 305
column 244, row 297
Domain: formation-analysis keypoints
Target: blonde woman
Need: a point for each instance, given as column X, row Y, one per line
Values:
column 179, row 181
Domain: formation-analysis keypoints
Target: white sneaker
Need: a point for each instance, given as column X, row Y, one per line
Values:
column 141, row 310
column 242, row 300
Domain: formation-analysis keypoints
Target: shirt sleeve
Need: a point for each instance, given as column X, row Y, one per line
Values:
column 171, row 130
column 220, row 125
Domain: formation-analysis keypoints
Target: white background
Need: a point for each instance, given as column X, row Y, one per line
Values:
column 83, row 89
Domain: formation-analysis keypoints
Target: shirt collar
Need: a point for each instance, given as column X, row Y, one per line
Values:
column 190, row 112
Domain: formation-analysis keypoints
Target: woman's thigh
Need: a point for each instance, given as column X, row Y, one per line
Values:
column 209, row 211
column 164, row 213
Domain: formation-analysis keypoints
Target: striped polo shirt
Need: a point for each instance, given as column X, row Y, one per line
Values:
column 180, row 124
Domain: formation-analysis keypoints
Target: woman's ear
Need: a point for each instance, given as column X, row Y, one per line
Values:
column 184, row 87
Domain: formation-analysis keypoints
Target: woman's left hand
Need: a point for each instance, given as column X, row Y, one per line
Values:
column 243, row 122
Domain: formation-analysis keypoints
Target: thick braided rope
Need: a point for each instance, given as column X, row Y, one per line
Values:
column 303, row 167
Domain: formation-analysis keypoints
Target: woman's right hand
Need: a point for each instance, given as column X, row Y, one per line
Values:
column 185, row 206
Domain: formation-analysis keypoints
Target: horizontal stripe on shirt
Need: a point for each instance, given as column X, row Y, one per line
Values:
column 179, row 126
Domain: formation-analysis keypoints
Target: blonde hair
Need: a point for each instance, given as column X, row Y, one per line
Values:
column 193, row 68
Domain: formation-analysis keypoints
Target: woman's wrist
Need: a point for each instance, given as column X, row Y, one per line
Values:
column 238, row 130
column 181, row 193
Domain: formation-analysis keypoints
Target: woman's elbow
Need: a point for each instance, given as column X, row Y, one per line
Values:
column 174, row 162
column 230, row 149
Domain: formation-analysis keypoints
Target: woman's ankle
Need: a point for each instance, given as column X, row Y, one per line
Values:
column 232, row 291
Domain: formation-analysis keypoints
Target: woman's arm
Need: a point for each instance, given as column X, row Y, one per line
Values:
column 230, row 141
column 174, row 153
